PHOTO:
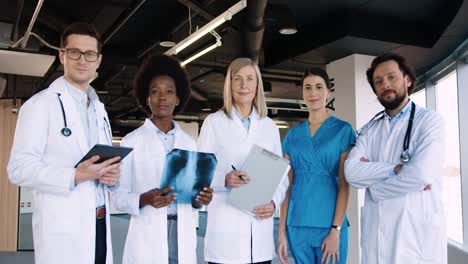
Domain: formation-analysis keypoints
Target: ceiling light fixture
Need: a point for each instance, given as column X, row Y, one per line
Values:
column 201, row 53
column 167, row 44
column 227, row 15
column 288, row 31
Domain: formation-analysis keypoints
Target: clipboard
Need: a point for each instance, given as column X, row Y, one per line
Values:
column 105, row 152
column 266, row 170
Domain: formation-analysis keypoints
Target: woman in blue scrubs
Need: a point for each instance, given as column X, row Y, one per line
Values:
column 313, row 221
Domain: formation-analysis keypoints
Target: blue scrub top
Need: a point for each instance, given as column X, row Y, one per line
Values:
column 315, row 161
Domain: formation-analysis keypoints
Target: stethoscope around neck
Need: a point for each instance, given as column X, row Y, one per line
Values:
column 65, row 130
column 405, row 155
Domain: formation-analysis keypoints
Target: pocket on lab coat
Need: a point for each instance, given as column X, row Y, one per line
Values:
column 59, row 217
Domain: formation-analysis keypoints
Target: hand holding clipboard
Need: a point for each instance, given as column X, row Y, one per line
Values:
column 236, row 178
column 266, row 170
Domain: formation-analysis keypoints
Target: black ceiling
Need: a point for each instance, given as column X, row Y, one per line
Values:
column 425, row 31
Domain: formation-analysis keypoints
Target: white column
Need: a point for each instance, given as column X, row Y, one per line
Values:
column 462, row 82
column 431, row 99
column 356, row 103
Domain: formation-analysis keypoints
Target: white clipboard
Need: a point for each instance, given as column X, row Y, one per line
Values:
column 266, row 169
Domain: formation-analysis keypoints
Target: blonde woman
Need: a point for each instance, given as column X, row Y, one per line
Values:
column 234, row 236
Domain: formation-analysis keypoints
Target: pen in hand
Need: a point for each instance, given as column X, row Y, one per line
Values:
column 234, row 168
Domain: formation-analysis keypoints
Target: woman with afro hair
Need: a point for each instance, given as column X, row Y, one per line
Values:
column 160, row 231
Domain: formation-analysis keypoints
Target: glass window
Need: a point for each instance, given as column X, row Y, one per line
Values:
column 447, row 106
column 419, row 97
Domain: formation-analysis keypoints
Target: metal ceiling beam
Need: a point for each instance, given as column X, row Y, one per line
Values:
column 122, row 21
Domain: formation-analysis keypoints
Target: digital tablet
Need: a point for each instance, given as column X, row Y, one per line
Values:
column 106, row 152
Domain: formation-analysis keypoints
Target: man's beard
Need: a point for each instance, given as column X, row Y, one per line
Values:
column 393, row 104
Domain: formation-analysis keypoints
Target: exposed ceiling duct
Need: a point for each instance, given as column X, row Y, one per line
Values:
column 254, row 28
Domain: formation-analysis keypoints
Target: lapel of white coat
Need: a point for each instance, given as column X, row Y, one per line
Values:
column 239, row 126
column 178, row 140
column 254, row 120
column 71, row 113
column 151, row 140
column 104, row 129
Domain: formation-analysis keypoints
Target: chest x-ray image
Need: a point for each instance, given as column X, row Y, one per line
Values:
column 188, row 172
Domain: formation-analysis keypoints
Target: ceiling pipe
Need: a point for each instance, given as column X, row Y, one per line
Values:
column 24, row 40
column 19, row 10
column 253, row 34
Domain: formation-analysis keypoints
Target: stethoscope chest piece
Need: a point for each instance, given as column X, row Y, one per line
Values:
column 405, row 156
column 66, row 131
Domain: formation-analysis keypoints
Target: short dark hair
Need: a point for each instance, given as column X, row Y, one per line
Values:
column 161, row 65
column 317, row 72
column 80, row 28
column 402, row 64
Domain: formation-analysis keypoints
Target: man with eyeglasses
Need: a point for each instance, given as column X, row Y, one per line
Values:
column 55, row 129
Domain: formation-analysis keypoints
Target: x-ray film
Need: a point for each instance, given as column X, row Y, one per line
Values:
column 188, row 172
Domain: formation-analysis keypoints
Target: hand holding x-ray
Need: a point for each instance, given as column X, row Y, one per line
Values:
column 158, row 197
column 191, row 173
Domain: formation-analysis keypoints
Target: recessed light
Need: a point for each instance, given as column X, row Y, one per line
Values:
column 288, row 31
column 167, row 44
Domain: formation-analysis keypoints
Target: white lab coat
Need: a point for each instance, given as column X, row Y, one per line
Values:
column 141, row 171
column 229, row 230
column 64, row 221
column 400, row 222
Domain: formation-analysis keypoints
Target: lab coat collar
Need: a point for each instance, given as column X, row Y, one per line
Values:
column 236, row 114
column 253, row 120
column 402, row 113
column 149, row 125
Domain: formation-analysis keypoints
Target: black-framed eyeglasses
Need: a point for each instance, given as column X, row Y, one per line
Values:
column 75, row 54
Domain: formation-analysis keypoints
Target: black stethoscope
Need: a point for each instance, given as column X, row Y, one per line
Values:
column 67, row 131
column 405, row 155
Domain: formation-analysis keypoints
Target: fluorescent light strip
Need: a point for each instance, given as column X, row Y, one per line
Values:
column 203, row 31
column 201, row 53
column 227, row 15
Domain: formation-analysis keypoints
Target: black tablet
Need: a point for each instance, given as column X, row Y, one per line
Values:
column 106, row 152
